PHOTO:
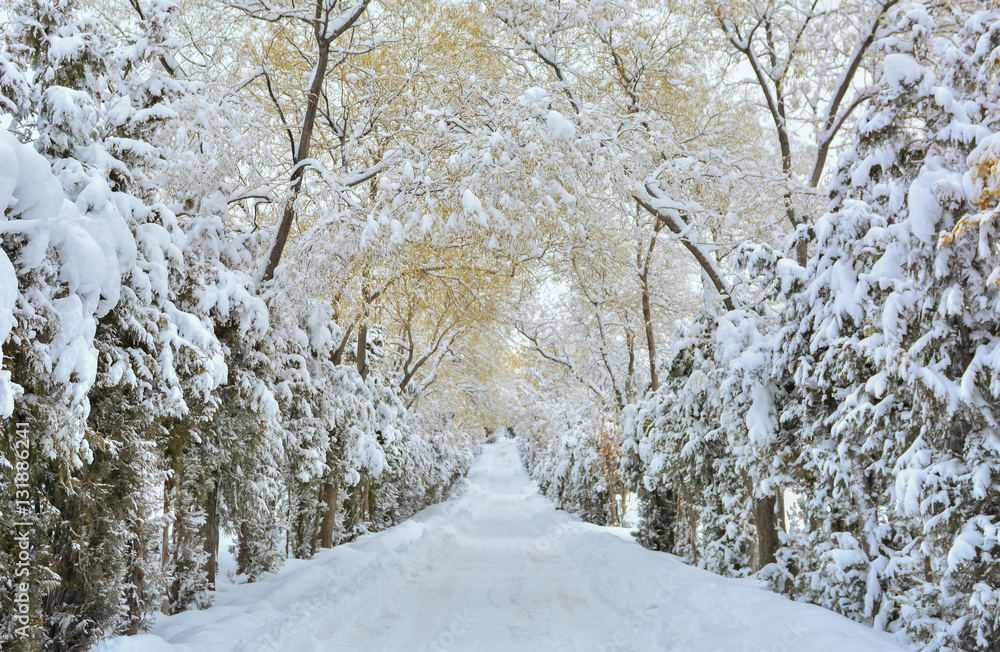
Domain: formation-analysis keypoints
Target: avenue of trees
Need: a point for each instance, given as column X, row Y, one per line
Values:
column 272, row 269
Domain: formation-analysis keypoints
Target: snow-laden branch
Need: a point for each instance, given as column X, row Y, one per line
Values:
column 651, row 201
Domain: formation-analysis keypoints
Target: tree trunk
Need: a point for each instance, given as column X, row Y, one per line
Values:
column 613, row 517
column 301, row 154
column 211, row 532
column 768, row 542
column 802, row 253
column 362, row 357
column 314, row 521
column 288, row 529
column 623, row 508
column 329, row 522
column 766, row 523
column 767, row 531
column 325, row 34
column 174, row 592
column 647, row 318
column 138, row 576
column 687, row 518
column 165, row 547
column 647, row 311
column 782, row 523
column 243, row 556
column 611, row 455
column 338, row 355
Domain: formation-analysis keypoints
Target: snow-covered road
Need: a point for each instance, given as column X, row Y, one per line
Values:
column 499, row 569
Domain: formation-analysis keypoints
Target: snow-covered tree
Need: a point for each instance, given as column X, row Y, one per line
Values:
column 885, row 338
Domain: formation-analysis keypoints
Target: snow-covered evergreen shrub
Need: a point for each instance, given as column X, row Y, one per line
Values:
column 863, row 384
column 167, row 397
column 108, row 258
column 678, row 456
column 562, row 450
column 912, row 316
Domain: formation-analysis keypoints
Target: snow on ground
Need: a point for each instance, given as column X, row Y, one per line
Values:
column 498, row 568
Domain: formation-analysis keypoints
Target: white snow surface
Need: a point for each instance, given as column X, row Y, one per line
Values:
column 498, row 568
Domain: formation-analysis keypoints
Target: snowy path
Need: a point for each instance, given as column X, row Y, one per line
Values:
column 499, row 569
